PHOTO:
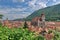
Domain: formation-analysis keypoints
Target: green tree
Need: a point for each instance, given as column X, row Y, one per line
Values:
column 56, row 35
column 0, row 19
column 25, row 25
column 1, row 16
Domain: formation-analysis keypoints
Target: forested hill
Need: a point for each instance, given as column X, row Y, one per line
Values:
column 52, row 13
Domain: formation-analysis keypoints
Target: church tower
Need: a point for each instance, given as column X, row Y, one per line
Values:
column 41, row 21
column 43, row 17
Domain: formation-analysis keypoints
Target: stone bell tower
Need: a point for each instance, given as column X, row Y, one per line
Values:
column 43, row 17
column 41, row 20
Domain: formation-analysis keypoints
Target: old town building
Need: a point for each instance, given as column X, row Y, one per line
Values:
column 11, row 23
column 39, row 21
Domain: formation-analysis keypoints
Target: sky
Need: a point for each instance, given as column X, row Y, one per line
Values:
column 14, row 9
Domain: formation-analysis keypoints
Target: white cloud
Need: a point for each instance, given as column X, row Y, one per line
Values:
column 17, row 9
column 32, row 3
column 15, row 16
column 14, row 0
column 42, row 4
column 21, row 15
column 13, row 13
column 21, row 0
column 37, row 4
column 7, row 10
column 58, row 2
column 18, row 0
column 54, row 0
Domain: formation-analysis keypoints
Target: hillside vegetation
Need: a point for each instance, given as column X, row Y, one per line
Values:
column 52, row 13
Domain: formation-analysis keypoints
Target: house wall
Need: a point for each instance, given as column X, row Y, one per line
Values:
column 11, row 24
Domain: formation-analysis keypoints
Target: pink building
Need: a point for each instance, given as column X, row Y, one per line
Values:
column 11, row 24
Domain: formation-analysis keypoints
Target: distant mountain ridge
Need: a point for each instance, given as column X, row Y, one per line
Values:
column 52, row 13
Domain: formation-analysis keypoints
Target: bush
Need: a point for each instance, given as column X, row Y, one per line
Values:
column 25, row 25
column 17, row 34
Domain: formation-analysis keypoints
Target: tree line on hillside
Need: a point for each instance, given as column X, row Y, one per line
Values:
column 52, row 13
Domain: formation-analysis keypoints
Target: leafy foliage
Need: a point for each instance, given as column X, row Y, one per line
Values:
column 56, row 35
column 25, row 25
column 18, row 34
column 23, row 34
column 1, row 16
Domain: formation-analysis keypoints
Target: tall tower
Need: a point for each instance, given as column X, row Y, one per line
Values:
column 43, row 19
